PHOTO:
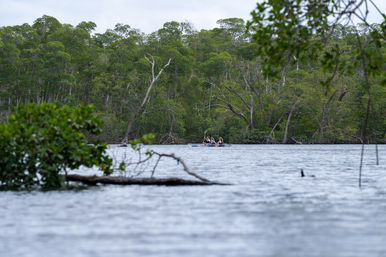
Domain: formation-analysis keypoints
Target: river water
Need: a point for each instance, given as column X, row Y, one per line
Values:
column 269, row 210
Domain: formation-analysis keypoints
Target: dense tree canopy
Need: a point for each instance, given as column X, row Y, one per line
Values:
column 215, row 83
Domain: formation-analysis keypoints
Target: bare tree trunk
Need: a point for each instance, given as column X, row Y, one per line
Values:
column 145, row 99
column 171, row 138
column 286, row 128
column 252, row 115
column 175, row 83
column 210, row 97
column 288, row 122
column 113, row 180
column 269, row 137
column 9, row 107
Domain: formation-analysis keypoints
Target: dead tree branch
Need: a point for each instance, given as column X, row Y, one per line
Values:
column 179, row 160
column 113, row 180
column 145, row 99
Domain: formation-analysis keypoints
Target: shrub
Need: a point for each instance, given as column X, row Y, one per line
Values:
column 40, row 142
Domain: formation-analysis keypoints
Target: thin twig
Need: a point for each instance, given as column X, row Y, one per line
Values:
column 364, row 131
column 186, row 169
column 155, row 166
column 376, row 7
column 375, row 133
column 360, row 166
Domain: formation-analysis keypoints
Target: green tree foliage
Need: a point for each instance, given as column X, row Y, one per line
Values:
column 215, row 83
column 41, row 142
column 288, row 32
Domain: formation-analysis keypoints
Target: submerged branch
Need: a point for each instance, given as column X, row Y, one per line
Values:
column 124, row 180
column 113, row 180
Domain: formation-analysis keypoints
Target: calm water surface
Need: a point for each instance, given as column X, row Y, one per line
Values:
column 268, row 211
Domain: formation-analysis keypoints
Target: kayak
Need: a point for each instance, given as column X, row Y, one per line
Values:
column 117, row 145
column 209, row 145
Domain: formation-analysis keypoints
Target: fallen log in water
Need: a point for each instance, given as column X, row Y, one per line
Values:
column 115, row 180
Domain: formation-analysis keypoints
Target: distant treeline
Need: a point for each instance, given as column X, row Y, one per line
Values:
column 213, row 85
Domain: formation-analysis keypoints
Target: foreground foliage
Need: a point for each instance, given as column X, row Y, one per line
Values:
column 41, row 142
column 287, row 32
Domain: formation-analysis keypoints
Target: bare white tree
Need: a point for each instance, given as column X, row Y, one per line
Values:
column 146, row 98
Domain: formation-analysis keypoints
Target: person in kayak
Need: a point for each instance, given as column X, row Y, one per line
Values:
column 206, row 140
column 212, row 141
column 220, row 141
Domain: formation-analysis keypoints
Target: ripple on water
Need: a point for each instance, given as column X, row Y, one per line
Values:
column 268, row 211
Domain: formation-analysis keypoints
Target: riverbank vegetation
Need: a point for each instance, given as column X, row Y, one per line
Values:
column 42, row 142
column 214, row 84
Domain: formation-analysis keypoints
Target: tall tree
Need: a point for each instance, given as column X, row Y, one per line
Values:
column 154, row 78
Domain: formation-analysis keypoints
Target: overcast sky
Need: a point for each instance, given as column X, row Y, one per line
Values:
column 146, row 15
